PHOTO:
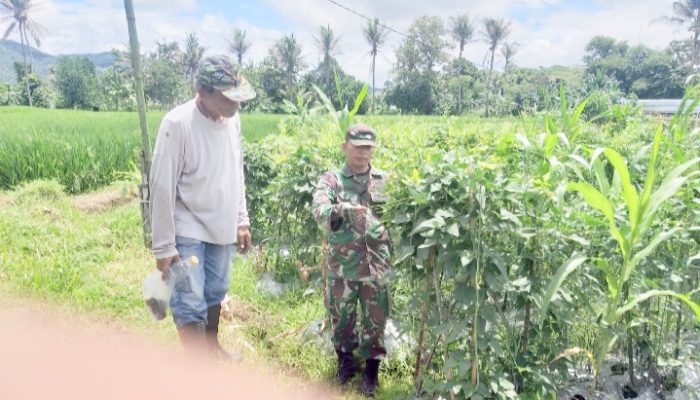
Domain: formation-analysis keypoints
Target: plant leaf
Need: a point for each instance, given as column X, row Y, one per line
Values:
column 642, row 254
column 651, row 168
column 326, row 102
column 668, row 188
column 358, row 100
column 564, row 271
column 653, row 293
column 629, row 193
column 573, row 351
column 596, row 200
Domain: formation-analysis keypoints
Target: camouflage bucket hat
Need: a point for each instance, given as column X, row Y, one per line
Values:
column 361, row 135
column 221, row 73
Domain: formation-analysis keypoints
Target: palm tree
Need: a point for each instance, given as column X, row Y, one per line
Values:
column 495, row 32
column 328, row 44
column 287, row 53
column 462, row 31
column 508, row 50
column 17, row 11
column 376, row 35
column 193, row 55
column 239, row 44
column 688, row 13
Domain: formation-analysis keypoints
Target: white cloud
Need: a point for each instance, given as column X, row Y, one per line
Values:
column 554, row 31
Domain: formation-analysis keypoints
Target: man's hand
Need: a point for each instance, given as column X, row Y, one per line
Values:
column 352, row 213
column 245, row 241
column 163, row 264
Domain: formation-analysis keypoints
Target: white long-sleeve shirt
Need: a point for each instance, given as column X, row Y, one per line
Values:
column 197, row 188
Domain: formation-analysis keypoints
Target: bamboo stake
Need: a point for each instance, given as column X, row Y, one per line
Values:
column 141, row 102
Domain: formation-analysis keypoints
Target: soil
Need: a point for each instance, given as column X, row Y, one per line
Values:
column 104, row 199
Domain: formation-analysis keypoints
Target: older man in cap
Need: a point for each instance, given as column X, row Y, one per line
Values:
column 346, row 204
column 197, row 199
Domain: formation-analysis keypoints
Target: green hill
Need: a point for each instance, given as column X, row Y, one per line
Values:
column 11, row 51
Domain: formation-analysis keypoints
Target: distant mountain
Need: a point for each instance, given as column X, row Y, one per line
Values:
column 11, row 51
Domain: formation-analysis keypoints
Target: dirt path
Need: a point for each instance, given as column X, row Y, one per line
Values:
column 104, row 199
column 49, row 354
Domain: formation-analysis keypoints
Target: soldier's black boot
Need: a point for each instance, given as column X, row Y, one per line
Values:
column 370, row 380
column 347, row 367
column 212, row 333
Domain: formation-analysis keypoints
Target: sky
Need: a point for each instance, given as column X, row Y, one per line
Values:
column 548, row 32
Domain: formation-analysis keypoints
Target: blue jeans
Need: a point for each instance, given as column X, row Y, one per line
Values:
column 207, row 281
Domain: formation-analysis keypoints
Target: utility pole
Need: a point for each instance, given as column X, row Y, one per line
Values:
column 145, row 157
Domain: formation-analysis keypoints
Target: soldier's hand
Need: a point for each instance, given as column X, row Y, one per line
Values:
column 352, row 213
column 163, row 264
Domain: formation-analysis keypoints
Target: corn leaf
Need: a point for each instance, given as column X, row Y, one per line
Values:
column 694, row 307
column 629, row 193
column 642, row 254
column 668, row 188
column 573, row 351
column 651, row 168
column 596, row 200
column 562, row 273
column 358, row 100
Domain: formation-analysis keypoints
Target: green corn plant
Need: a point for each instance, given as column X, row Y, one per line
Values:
column 569, row 120
column 632, row 243
column 343, row 117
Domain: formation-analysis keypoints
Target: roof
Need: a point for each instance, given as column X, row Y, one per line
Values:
column 662, row 106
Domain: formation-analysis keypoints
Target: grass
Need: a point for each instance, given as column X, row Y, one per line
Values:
column 83, row 150
column 91, row 260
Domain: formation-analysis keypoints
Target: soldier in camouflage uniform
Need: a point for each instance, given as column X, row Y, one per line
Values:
column 359, row 255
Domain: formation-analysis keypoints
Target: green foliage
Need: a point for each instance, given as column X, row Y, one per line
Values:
column 337, row 86
column 164, row 85
column 640, row 71
column 632, row 234
column 7, row 96
column 40, row 92
column 82, row 150
column 76, row 83
column 344, row 117
column 504, row 280
column 418, row 58
column 116, row 85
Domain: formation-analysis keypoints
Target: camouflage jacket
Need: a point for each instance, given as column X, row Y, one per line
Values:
column 361, row 250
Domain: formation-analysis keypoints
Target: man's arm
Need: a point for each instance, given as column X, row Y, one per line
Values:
column 244, row 239
column 165, row 172
column 324, row 205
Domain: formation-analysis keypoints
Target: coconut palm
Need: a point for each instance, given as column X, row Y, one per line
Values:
column 688, row 13
column 287, row 53
column 193, row 55
column 328, row 44
column 508, row 50
column 17, row 12
column 495, row 32
column 376, row 35
column 462, row 31
column 239, row 44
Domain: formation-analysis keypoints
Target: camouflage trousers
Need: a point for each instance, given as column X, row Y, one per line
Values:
column 342, row 297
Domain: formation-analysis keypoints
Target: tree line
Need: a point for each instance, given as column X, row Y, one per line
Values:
column 425, row 79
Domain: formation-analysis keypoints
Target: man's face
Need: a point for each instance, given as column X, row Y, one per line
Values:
column 358, row 157
column 221, row 105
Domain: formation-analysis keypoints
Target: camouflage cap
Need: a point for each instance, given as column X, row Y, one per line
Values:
column 222, row 74
column 361, row 135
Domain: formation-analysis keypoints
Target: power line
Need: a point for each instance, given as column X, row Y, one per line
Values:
column 368, row 18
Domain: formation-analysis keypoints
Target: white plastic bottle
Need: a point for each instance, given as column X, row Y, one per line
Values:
column 157, row 293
